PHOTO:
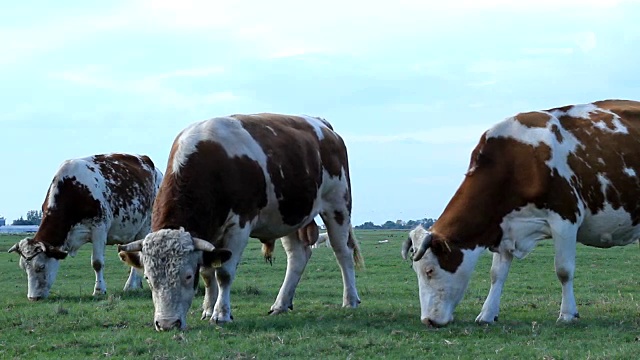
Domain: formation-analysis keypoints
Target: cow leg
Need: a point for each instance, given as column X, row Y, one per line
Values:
column 99, row 243
column 208, row 275
column 134, row 281
column 338, row 229
column 499, row 271
column 565, row 263
column 298, row 254
column 235, row 241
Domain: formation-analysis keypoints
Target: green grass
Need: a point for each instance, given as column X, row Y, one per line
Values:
column 73, row 324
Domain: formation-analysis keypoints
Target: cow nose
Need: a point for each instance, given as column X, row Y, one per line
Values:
column 431, row 323
column 34, row 298
column 162, row 325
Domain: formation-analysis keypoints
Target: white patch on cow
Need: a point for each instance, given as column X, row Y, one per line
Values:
column 608, row 227
column 522, row 229
column 630, row 172
column 534, row 136
column 226, row 131
column 582, row 111
column 440, row 291
column 317, row 124
column 272, row 131
column 604, row 183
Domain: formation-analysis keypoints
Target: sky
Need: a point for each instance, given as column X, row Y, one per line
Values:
column 409, row 84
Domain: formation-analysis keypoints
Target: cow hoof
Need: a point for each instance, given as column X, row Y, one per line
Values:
column 206, row 315
column 482, row 319
column 98, row 292
column 220, row 320
column 278, row 311
column 568, row 318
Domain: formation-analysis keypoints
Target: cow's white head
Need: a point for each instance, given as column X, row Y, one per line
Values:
column 170, row 260
column 443, row 274
column 41, row 262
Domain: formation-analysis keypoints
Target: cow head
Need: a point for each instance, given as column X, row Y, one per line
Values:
column 40, row 261
column 440, row 288
column 170, row 260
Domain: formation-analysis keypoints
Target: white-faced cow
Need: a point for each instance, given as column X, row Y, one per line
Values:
column 568, row 174
column 102, row 199
column 266, row 176
column 322, row 239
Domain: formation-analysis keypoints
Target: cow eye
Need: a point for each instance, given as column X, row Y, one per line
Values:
column 39, row 268
column 189, row 277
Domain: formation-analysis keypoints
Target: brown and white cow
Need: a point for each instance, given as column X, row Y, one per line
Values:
column 102, row 199
column 266, row 176
column 568, row 174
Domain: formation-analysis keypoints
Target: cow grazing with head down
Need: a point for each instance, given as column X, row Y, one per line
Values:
column 230, row 178
column 568, row 174
column 102, row 199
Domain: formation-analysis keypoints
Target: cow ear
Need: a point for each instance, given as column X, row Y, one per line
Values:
column 131, row 258
column 55, row 253
column 216, row 257
column 407, row 246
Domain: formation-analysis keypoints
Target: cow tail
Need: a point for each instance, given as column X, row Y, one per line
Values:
column 357, row 255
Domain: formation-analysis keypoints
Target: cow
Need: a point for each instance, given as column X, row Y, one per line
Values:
column 229, row 178
column 322, row 239
column 104, row 199
column 568, row 174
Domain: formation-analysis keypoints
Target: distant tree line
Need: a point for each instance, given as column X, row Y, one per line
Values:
column 397, row 225
column 34, row 217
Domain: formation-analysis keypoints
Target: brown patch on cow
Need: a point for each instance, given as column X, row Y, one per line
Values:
column 131, row 258
column 339, row 217
column 72, row 203
column 293, row 162
column 129, row 179
column 97, row 266
column 556, row 131
column 209, row 186
column 533, row 119
column 508, row 174
column 223, row 276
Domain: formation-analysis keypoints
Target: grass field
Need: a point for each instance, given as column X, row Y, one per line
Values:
column 73, row 324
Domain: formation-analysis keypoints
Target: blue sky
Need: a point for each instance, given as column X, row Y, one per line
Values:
column 410, row 84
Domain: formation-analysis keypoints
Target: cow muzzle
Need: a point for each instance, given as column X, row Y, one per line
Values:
column 168, row 324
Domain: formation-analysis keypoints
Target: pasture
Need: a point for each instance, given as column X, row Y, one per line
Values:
column 73, row 324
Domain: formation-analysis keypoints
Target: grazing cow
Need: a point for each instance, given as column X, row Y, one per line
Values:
column 322, row 239
column 568, row 174
column 266, row 176
column 102, row 199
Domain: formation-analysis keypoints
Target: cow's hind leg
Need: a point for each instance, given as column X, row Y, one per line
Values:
column 346, row 250
column 565, row 263
column 99, row 243
column 298, row 254
column 499, row 271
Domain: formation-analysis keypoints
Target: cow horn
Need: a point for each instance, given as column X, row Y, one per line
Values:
column 132, row 246
column 426, row 243
column 406, row 247
column 203, row 245
column 14, row 248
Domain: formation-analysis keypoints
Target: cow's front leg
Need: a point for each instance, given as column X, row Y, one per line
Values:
column 499, row 271
column 99, row 243
column 210, row 291
column 565, row 263
column 235, row 241
column 298, row 254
